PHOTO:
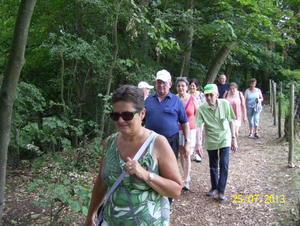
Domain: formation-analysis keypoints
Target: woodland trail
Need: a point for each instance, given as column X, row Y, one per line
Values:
column 257, row 170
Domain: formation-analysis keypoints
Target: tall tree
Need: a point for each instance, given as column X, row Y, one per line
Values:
column 9, row 85
column 188, row 42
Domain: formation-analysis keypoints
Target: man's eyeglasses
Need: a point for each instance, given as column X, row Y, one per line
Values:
column 211, row 95
column 126, row 116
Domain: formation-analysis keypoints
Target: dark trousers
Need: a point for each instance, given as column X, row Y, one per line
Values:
column 218, row 181
column 174, row 143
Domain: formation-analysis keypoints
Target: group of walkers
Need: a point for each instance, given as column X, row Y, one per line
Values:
column 153, row 132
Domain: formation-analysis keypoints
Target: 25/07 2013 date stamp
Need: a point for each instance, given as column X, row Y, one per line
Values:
column 258, row 199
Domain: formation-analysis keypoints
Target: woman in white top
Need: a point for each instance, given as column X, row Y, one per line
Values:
column 200, row 97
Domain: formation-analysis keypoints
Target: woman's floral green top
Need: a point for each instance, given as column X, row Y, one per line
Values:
column 133, row 202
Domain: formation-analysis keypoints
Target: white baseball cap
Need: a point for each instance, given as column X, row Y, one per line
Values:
column 142, row 85
column 163, row 75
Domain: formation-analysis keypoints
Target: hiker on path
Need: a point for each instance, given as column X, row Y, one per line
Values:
column 237, row 101
column 145, row 87
column 223, row 86
column 190, row 105
column 254, row 99
column 217, row 116
column 141, row 197
column 200, row 97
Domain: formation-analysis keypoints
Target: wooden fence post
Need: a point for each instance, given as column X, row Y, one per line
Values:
column 279, row 109
column 271, row 99
column 291, row 127
column 274, row 103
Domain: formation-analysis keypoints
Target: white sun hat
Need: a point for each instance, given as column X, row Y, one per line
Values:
column 142, row 85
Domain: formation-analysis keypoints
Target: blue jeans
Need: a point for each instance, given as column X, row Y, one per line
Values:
column 219, row 182
column 253, row 117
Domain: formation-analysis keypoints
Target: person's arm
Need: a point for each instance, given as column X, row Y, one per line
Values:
column 98, row 193
column 246, row 94
column 261, row 98
column 233, row 138
column 224, row 95
column 244, row 107
column 186, row 133
column 169, row 182
column 198, row 147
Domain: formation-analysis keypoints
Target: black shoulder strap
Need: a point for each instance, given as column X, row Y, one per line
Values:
column 226, row 95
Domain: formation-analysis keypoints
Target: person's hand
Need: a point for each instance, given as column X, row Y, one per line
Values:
column 245, row 119
column 89, row 222
column 234, row 145
column 133, row 167
column 187, row 149
column 199, row 151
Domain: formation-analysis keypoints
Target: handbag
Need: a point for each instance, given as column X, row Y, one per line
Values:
column 123, row 174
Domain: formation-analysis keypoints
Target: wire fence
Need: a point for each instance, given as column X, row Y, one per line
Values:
column 276, row 103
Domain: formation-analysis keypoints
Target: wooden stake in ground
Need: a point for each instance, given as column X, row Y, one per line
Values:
column 291, row 127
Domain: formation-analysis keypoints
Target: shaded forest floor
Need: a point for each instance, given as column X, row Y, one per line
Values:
column 258, row 169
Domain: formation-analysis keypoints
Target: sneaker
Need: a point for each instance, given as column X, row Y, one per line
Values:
column 212, row 192
column 198, row 158
column 186, row 186
column 250, row 135
column 222, row 196
column 256, row 135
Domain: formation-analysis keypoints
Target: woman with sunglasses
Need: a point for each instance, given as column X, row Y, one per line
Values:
column 141, row 197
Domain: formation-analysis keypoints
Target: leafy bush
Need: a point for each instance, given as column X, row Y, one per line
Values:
column 58, row 197
column 62, row 183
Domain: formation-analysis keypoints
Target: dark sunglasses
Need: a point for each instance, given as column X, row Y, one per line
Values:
column 126, row 116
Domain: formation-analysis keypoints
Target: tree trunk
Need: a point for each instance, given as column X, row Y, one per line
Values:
column 228, row 71
column 188, row 43
column 218, row 62
column 7, row 94
column 13, row 152
column 111, row 67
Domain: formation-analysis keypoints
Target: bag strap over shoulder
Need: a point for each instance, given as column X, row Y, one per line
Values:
column 136, row 157
column 188, row 102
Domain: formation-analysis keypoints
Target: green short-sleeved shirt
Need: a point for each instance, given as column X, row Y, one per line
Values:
column 217, row 132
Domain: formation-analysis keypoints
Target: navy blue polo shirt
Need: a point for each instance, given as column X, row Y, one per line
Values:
column 223, row 89
column 163, row 117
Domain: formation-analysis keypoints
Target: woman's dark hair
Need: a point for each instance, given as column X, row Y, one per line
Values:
column 194, row 81
column 129, row 93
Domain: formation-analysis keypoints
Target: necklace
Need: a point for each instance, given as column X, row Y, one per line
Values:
column 183, row 98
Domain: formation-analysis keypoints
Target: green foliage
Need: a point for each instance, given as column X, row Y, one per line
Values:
column 105, row 99
column 291, row 75
column 64, row 182
column 57, row 197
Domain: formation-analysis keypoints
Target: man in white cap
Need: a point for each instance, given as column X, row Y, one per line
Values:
column 145, row 87
column 165, row 110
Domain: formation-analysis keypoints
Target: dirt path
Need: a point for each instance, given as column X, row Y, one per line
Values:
column 259, row 168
